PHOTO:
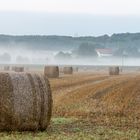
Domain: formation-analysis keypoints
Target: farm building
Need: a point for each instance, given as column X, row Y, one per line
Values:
column 104, row 52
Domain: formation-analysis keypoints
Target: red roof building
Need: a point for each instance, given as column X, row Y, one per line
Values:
column 104, row 52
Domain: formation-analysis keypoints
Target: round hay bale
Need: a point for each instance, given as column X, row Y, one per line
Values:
column 51, row 71
column 25, row 102
column 19, row 69
column 114, row 70
column 6, row 68
column 68, row 70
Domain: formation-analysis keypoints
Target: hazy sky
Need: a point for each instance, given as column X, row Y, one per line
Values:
column 69, row 17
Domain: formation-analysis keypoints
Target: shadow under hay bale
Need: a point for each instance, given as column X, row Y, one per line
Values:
column 51, row 71
column 68, row 70
column 19, row 69
column 6, row 68
column 25, row 102
column 114, row 70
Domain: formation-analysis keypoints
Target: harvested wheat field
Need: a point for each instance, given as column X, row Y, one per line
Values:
column 91, row 106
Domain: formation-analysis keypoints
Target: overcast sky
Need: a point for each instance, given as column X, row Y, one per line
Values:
column 69, row 17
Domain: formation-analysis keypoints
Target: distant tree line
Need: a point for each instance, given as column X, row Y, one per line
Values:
column 127, row 43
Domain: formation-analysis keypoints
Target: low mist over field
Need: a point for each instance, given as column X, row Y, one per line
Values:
column 22, row 56
column 118, row 49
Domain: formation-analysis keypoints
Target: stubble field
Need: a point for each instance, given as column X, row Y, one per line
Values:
column 91, row 105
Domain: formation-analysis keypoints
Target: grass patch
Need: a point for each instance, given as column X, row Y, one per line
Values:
column 62, row 121
column 74, row 129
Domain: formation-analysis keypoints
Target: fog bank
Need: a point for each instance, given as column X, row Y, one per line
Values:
column 24, row 56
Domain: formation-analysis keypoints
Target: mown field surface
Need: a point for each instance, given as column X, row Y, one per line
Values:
column 91, row 106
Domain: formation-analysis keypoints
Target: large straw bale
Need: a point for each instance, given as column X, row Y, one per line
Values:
column 25, row 102
column 68, row 70
column 114, row 70
column 51, row 71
